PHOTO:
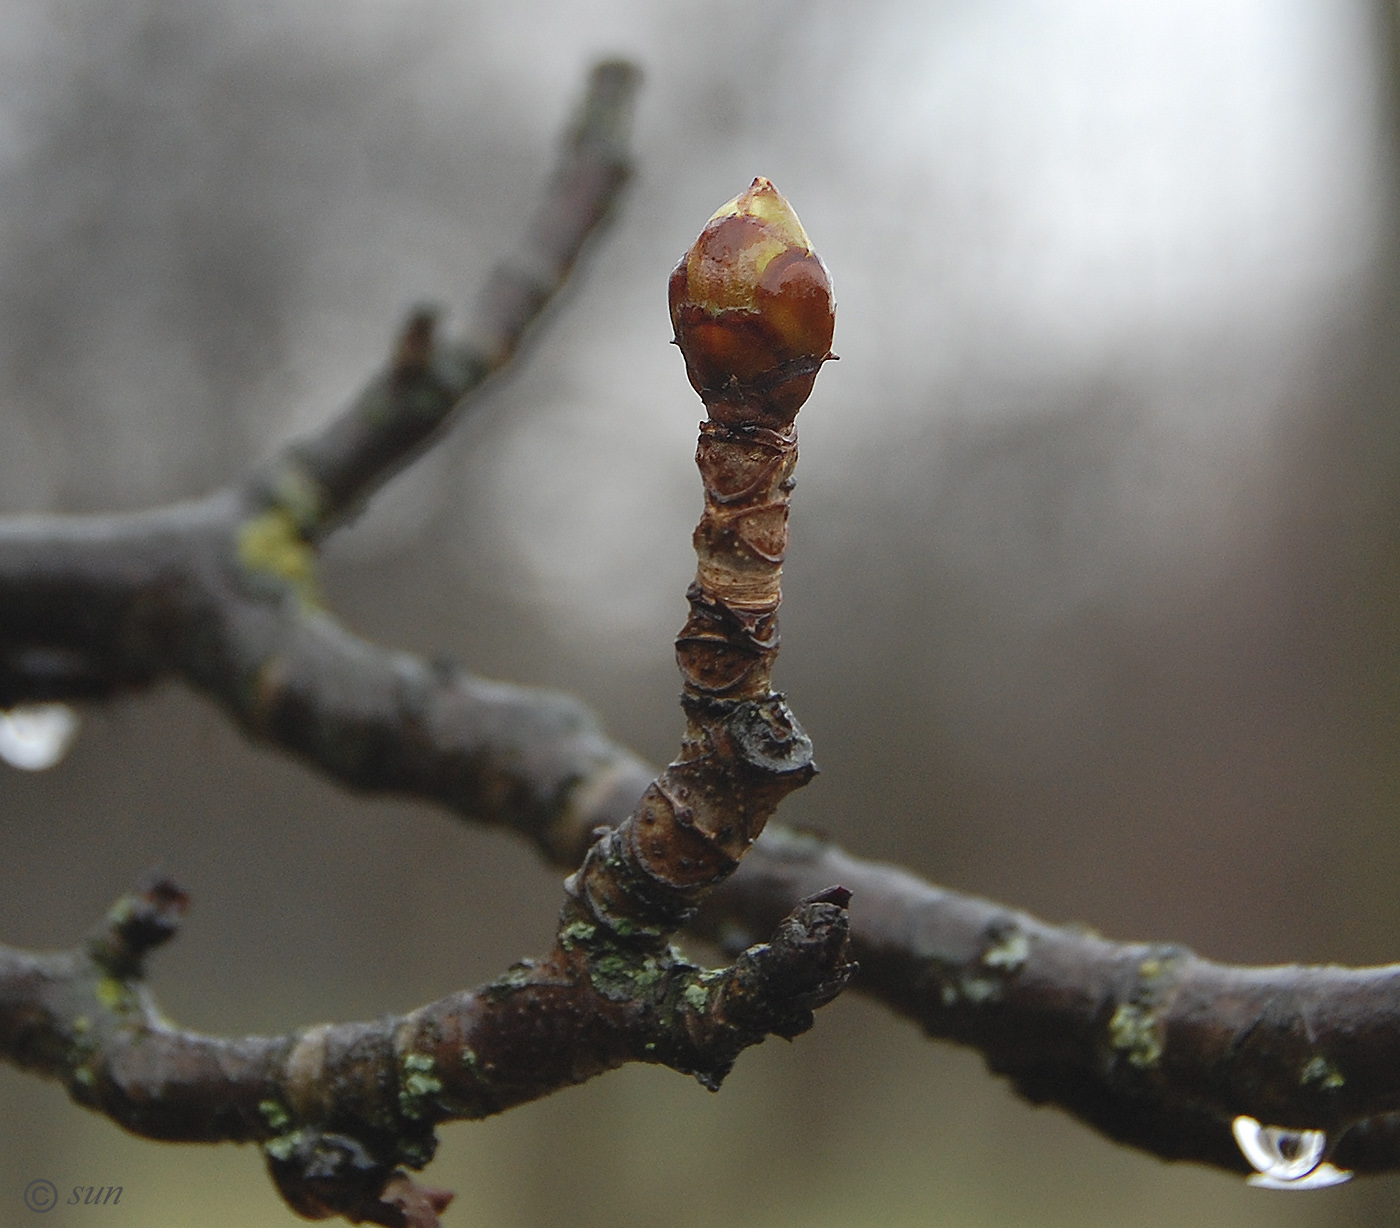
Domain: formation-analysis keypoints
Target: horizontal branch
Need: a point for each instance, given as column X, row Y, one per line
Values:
column 340, row 1107
column 222, row 592
column 1148, row 1043
column 1160, row 1059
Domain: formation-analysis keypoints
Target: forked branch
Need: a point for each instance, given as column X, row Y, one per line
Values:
column 1150, row 1044
column 343, row 1109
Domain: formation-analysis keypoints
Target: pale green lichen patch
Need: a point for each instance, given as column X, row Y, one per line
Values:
column 973, row 990
column 1010, row 953
column 576, row 932
column 299, row 496
column 271, row 544
column 979, row 990
column 1158, row 968
column 517, row 976
column 284, row 1146
column 275, row 1115
column 115, row 995
column 1320, row 1072
column 84, row 1077
column 417, row 1083
column 696, row 997
column 1136, row 1029
column 624, row 976
column 625, row 927
column 1135, row 1032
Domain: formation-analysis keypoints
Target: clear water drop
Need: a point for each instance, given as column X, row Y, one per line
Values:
column 34, row 737
column 1285, row 1159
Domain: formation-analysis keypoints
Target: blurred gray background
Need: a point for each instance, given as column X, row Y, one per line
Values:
column 1092, row 602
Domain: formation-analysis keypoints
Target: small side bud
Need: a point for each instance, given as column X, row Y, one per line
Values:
column 752, row 309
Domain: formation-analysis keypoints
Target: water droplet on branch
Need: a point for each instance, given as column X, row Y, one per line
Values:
column 34, row 737
column 1286, row 1159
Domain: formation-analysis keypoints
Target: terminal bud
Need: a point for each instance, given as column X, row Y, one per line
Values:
column 752, row 309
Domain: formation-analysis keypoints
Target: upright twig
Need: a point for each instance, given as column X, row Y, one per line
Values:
column 342, row 1110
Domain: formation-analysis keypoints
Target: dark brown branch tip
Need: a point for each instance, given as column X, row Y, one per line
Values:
column 322, row 1175
column 771, row 989
column 420, row 1205
column 414, row 354
column 605, row 117
column 775, row 987
column 137, row 924
column 838, row 895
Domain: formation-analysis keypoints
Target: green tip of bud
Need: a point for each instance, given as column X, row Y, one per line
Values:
column 763, row 201
column 752, row 308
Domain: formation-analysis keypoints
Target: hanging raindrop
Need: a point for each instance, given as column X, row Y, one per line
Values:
column 34, row 737
column 1286, row 1159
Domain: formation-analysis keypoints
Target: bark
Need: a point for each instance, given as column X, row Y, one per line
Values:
column 1148, row 1043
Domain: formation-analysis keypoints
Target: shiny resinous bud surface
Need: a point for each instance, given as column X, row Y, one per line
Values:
column 752, row 310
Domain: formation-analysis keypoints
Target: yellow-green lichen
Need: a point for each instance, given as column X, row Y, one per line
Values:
column 576, row 931
column 299, row 495
column 1321, row 1072
column 418, row 1082
column 1135, row 1032
column 626, row 976
column 84, row 1077
column 978, row 990
column 625, row 927
column 275, row 1115
column 1010, row 953
column 974, row 990
column 696, row 997
column 271, row 544
column 517, row 976
column 115, row 995
column 284, row 1146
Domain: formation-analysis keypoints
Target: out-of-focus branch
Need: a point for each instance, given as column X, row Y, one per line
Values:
column 222, row 591
column 320, row 480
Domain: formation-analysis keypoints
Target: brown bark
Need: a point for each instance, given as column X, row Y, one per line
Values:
column 1150, row 1044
